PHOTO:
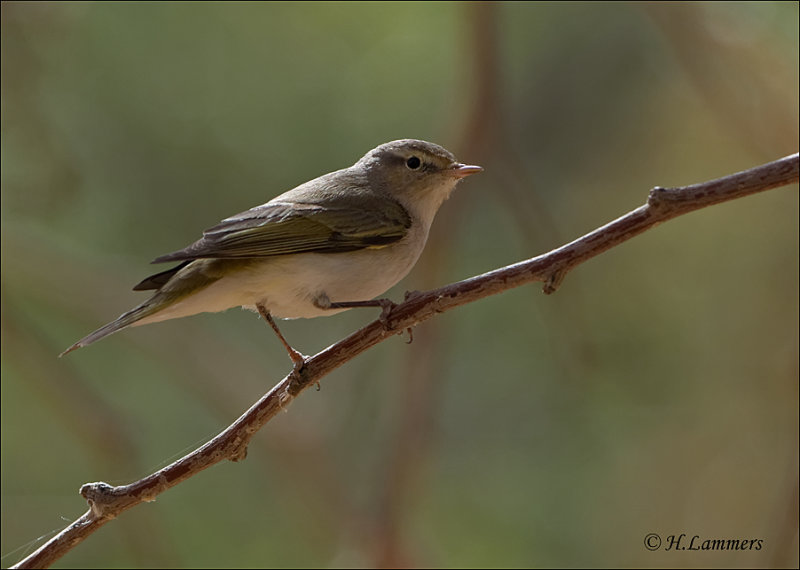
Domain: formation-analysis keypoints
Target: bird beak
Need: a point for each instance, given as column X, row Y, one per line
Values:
column 458, row 170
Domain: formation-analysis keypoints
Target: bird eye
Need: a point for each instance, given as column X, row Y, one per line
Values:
column 413, row 162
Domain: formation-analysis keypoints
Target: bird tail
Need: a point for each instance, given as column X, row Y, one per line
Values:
column 171, row 286
column 147, row 308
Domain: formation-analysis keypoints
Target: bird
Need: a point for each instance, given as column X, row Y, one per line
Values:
column 333, row 243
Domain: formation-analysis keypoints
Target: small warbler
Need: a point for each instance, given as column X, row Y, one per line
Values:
column 333, row 243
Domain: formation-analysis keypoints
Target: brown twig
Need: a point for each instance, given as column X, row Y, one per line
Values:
column 107, row 502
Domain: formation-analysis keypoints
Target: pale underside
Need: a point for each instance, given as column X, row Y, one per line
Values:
column 298, row 285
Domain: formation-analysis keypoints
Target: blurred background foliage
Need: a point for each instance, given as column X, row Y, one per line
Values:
column 655, row 392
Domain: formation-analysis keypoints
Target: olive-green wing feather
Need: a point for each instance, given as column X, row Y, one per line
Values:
column 347, row 223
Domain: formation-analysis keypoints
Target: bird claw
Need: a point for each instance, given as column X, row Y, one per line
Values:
column 411, row 294
column 387, row 306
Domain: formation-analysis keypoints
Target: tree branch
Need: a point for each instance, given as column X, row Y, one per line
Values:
column 106, row 502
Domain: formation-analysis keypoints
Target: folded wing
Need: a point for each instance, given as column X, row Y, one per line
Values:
column 279, row 228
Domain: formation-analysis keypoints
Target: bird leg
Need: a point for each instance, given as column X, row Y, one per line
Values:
column 386, row 306
column 298, row 359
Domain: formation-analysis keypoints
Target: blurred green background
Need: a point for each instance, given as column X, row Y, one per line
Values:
column 655, row 392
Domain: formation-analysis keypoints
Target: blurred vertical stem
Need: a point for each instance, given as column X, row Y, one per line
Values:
column 714, row 55
column 414, row 438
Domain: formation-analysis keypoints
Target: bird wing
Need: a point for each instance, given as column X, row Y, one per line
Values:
column 344, row 223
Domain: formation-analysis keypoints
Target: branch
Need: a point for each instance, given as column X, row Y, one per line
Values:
column 106, row 502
